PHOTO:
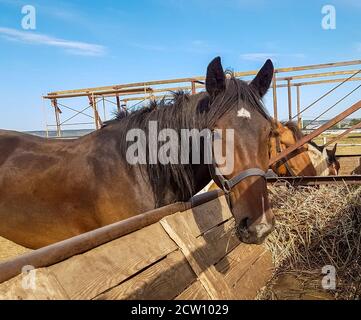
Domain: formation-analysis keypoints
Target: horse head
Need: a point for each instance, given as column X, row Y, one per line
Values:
column 251, row 125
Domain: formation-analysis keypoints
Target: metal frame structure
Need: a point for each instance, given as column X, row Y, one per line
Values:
column 122, row 95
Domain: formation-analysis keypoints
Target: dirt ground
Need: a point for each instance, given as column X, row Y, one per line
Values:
column 9, row 250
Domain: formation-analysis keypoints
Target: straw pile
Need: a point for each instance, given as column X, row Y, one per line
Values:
column 315, row 227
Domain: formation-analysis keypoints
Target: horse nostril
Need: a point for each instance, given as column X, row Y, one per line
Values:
column 244, row 223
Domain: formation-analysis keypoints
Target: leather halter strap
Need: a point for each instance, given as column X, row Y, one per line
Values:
column 228, row 184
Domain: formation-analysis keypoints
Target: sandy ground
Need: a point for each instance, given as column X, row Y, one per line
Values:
column 9, row 250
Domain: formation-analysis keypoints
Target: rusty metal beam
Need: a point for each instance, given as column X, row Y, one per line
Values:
column 193, row 85
column 274, row 88
column 128, row 91
column 299, row 120
column 87, row 91
column 54, row 103
column 317, row 75
column 315, row 181
column 93, row 104
column 316, row 132
column 308, row 83
column 118, row 103
column 289, row 93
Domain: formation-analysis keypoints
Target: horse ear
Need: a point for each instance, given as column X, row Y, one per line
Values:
column 334, row 149
column 263, row 79
column 215, row 80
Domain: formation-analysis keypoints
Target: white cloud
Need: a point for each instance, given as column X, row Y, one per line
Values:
column 72, row 47
column 274, row 56
column 148, row 47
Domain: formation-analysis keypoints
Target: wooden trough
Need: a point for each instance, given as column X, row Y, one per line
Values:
column 188, row 254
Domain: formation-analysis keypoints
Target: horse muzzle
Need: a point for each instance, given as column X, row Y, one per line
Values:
column 255, row 233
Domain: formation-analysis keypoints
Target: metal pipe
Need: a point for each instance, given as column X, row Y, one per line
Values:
column 193, row 85
column 315, row 180
column 274, row 85
column 289, row 99
column 118, row 103
column 299, row 122
column 54, row 103
column 202, row 78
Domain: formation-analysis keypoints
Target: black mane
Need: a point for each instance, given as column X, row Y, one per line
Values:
column 182, row 111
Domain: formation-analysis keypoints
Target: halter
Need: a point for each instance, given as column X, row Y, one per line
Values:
column 227, row 185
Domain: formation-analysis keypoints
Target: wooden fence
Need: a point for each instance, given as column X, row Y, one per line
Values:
column 191, row 254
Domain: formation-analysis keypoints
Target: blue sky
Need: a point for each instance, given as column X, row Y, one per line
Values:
column 91, row 43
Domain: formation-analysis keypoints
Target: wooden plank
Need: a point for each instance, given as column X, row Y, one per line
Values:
column 185, row 230
column 204, row 217
column 162, row 281
column 46, row 287
column 92, row 273
column 220, row 240
column 247, row 269
column 81, row 243
column 195, row 291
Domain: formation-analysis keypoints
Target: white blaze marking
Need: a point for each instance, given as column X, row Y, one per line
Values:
column 243, row 113
column 264, row 226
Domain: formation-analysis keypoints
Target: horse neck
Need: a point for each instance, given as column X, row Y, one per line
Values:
column 300, row 162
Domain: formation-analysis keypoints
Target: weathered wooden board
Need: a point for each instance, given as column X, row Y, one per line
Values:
column 44, row 287
column 162, row 281
column 92, row 273
column 195, row 291
column 184, row 229
column 192, row 254
column 246, row 269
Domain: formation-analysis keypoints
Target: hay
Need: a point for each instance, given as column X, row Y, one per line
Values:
column 316, row 227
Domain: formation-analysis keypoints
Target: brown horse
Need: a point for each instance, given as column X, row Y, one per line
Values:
column 309, row 160
column 297, row 163
column 51, row 190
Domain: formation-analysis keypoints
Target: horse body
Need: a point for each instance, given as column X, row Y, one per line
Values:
column 54, row 189
column 51, row 190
